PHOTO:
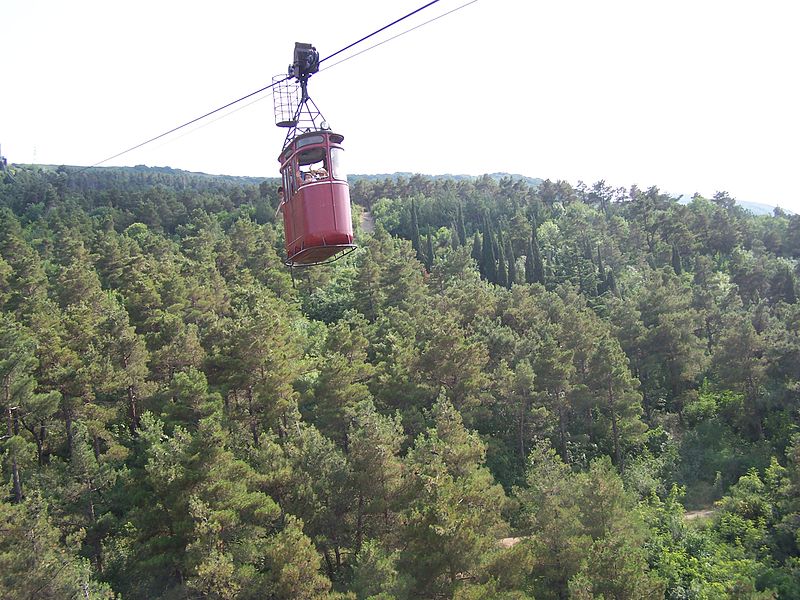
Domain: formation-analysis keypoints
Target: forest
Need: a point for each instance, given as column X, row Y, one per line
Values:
column 512, row 390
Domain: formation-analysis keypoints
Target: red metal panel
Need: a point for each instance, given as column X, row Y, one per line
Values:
column 318, row 215
column 317, row 218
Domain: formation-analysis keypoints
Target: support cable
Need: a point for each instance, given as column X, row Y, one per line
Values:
column 275, row 83
column 366, row 37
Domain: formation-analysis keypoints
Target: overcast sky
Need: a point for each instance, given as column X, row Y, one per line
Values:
column 690, row 96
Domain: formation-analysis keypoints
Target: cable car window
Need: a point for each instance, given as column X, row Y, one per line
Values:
column 289, row 187
column 311, row 156
column 337, row 164
column 314, row 139
column 295, row 176
column 312, row 171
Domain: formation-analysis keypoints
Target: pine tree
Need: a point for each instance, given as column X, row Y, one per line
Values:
column 256, row 362
column 616, row 565
column 215, row 534
column 550, row 510
column 555, row 370
column 453, row 517
column 19, row 401
column 341, row 383
column 374, row 455
column 36, row 561
column 617, row 399
column 321, row 496
column 740, row 365
column 90, row 479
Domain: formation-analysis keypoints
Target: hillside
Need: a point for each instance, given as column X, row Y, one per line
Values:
column 145, row 175
column 572, row 366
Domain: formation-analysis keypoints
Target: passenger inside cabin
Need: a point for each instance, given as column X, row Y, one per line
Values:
column 314, row 163
column 319, row 173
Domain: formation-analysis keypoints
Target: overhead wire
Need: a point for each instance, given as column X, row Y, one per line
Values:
column 275, row 83
column 394, row 37
column 381, row 43
column 174, row 129
column 366, row 37
column 219, row 118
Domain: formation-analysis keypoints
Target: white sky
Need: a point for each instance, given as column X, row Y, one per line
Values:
column 691, row 96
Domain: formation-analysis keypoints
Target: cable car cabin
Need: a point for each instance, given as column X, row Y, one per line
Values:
column 316, row 209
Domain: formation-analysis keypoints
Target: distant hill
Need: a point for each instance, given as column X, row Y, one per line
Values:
column 143, row 171
column 534, row 181
column 758, row 208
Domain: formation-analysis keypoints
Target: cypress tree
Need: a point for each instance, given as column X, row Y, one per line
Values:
column 488, row 264
column 676, row 260
column 429, row 257
column 462, row 230
column 415, row 238
column 498, row 243
column 454, row 241
column 512, row 267
column 502, row 273
column 477, row 253
column 611, row 282
column 600, row 268
column 529, row 277
column 538, row 265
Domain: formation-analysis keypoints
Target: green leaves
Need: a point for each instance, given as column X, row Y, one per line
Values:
column 200, row 427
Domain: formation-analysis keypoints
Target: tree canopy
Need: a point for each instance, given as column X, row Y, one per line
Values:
column 512, row 390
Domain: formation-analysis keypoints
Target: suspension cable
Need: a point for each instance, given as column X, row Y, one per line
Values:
column 174, row 129
column 366, row 37
column 394, row 37
column 250, row 95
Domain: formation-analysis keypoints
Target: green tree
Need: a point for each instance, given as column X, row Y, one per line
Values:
column 618, row 400
column 488, row 262
column 551, row 515
column 342, row 380
column 512, row 264
column 416, row 240
column 740, row 365
column 36, row 563
column 453, row 517
column 321, row 495
column 19, row 401
column 616, row 565
column 673, row 355
column 257, row 361
column 374, row 456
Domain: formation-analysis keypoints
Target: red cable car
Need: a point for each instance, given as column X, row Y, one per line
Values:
column 316, row 206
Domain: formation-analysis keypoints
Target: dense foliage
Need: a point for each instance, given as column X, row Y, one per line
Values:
column 572, row 368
